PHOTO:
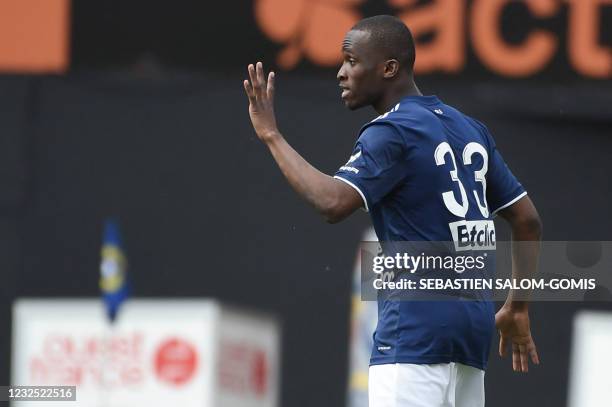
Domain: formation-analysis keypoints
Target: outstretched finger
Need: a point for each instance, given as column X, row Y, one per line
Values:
column 249, row 91
column 524, row 358
column 260, row 75
column 503, row 345
column 270, row 89
column 533, row 353
column 253, row 78
column 516, row 358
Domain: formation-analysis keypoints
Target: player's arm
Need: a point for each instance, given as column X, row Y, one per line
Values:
column 332, row 198
column 512, row 320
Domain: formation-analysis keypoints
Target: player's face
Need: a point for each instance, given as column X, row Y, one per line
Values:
column 359, row 76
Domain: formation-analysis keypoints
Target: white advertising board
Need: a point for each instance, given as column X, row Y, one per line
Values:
column 158, row 353
column 248, row 368
column 591, row 360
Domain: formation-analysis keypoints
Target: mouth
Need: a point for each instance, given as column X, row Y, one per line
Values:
column 345, row 91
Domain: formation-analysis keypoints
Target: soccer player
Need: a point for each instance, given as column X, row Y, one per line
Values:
column 425, row 172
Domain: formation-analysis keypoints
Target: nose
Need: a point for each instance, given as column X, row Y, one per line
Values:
column 341, row 76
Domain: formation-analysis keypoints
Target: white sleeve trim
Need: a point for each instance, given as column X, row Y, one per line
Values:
column 356, row 188
column 509, row 203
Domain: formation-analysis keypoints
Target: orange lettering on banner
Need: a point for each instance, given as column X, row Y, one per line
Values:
column 34, row 35
column 445, row 18
column 314, row 29
column 511, row 60
column 584, row 53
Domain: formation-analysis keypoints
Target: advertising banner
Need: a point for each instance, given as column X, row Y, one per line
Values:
column 158, row 353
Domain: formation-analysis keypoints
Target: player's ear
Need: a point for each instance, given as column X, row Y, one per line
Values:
column 391, row 68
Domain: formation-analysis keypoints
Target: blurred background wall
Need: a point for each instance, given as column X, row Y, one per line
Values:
column 138, row 112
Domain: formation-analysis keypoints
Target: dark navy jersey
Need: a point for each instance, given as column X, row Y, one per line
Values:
column 427, row 172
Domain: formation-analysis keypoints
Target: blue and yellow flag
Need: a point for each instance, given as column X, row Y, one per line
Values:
column 113, row 268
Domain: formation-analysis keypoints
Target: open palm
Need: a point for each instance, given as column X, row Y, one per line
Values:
column 514, row 329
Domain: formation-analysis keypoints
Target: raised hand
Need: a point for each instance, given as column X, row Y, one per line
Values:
column 514, row 329
column 261, row 102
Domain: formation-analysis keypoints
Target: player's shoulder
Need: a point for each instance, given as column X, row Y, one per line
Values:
column 398, row 119
column 477, row 127
column 476, row 123
column 380, row 133
column 485, row 134
column 413, row 109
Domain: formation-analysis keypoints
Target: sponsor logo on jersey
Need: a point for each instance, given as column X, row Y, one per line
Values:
column 351, row 169
column 473, row 234
column 353, row 158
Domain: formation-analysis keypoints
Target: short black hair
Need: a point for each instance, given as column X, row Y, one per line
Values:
column 390, row 35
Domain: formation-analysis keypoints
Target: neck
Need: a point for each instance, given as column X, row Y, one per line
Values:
column 395, row 94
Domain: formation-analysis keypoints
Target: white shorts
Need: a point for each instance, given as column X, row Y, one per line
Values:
column 437, row 385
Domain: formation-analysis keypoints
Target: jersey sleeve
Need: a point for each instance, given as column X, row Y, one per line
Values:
column 376, row 165
column 503, row 189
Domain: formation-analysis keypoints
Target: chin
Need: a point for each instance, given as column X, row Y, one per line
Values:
column 353, row 105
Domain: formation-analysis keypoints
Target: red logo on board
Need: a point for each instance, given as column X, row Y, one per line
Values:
column 175, row 361
column 259, row 374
